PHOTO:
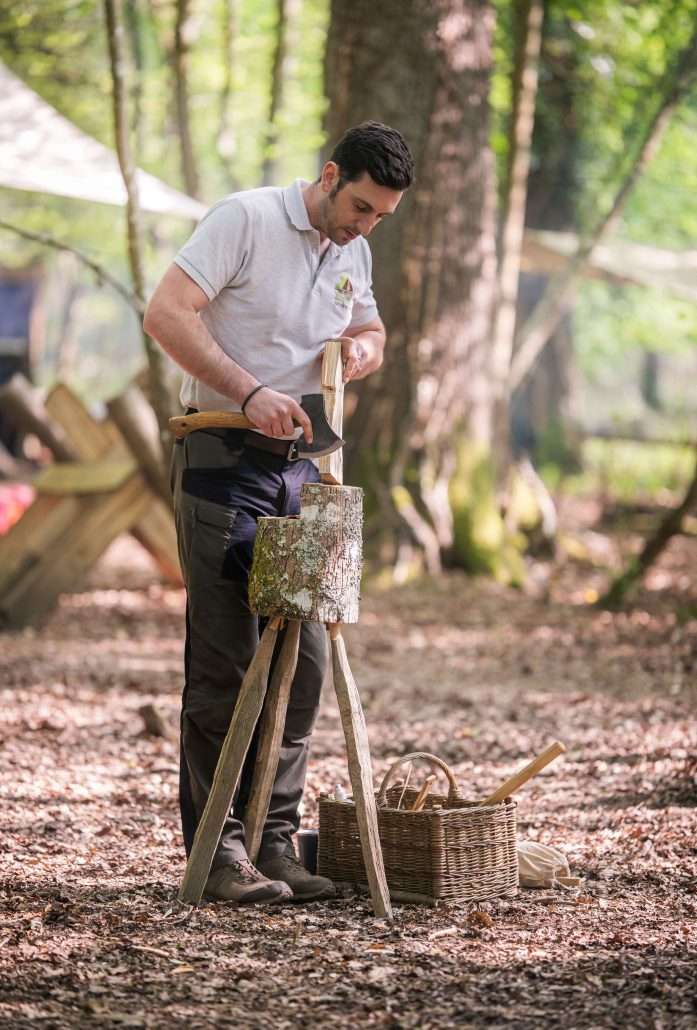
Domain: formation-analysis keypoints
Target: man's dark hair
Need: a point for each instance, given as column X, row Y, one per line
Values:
column 378, row 150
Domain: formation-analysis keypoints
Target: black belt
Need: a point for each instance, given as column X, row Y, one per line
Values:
column 247, row 438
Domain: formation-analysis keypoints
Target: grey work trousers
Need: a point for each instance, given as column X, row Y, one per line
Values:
column 220, row 488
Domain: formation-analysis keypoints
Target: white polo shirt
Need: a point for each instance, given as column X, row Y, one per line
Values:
column 273, row 300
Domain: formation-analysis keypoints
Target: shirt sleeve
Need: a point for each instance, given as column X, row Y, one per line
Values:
column 216, row 253
column 365, row 309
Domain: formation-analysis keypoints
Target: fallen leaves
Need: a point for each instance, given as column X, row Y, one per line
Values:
column 91, row 932
column 479, row 919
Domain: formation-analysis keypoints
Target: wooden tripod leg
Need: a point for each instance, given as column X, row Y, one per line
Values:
column 229, row 767
column 270, row 736
column 360, row 772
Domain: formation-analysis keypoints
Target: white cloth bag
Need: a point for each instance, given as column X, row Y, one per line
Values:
column 540, row 865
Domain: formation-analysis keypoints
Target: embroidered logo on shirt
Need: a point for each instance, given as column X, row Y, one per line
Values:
column 343, row 292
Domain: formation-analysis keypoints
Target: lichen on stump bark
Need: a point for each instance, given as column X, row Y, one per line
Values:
column 309, row 567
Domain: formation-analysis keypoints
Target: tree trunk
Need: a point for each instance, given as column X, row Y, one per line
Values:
column 134, row 16
column 528, row 17
column 225, row 143
column 185, row 30
column 425, row 68
column 540, row 407
column 159, row 393
column 650, row 380
column 287, row 10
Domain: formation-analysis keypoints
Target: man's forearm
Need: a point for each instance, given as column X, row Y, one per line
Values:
column 183, row 335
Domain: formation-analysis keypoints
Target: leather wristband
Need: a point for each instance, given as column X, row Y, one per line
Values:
column 245, row 402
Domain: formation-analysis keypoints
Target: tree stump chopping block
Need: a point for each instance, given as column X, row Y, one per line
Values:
column 309, row 567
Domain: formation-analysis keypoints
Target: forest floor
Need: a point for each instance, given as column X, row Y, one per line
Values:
column 482, row 675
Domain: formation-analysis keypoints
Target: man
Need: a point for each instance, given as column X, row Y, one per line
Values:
column 267, row 277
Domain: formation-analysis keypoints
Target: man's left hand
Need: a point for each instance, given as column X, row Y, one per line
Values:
column 353, row 358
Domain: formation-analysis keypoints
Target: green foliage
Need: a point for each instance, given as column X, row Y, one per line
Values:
column 554, row 448
column 626, row 470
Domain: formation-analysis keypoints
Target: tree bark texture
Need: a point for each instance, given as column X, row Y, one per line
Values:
column 184, row 34
column 309, row 568
column 528, row 16
column 542, row 404
column 423, row 67
column 159, row 390
column 225, row 143
column 134, row 26
column 286, row 11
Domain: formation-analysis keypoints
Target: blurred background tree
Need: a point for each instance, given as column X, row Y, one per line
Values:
column 228, row 94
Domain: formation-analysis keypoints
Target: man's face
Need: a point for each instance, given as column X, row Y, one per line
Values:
column 354, row 209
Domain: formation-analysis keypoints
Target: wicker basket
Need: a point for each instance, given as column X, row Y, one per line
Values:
column 460, row 851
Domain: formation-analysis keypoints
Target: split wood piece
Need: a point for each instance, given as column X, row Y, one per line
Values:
column 270, row 738
column 309, row 568
column 331, row 467
column 420, row 798
column 530, row 770
column 360, row 772
column 229, row 768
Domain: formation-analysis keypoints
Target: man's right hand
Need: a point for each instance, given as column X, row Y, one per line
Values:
column 276, row 414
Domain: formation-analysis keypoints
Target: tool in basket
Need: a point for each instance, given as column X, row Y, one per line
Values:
column 449, row 850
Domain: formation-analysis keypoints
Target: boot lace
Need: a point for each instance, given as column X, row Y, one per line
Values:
column 247, row 872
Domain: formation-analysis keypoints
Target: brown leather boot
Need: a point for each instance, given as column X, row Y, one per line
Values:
column 242, row 882
column 304, row 885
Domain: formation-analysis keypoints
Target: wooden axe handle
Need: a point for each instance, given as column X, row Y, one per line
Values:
column 530, row 770
column 182, row 425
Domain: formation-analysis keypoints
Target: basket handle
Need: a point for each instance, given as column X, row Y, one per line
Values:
column 453, row 793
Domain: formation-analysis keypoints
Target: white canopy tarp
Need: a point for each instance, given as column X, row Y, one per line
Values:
column 44, row 152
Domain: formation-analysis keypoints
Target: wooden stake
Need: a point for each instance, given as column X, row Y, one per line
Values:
column 358, row 752
column 229, row 767
column 270, row 737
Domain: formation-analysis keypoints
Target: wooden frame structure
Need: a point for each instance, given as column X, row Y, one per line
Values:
column 80, row 508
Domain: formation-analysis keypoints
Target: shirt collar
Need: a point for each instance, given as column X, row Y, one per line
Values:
column 295, row 205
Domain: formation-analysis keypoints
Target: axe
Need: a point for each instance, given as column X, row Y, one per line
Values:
column 325, row 440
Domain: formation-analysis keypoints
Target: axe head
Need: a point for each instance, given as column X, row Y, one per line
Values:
column 324, row 439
